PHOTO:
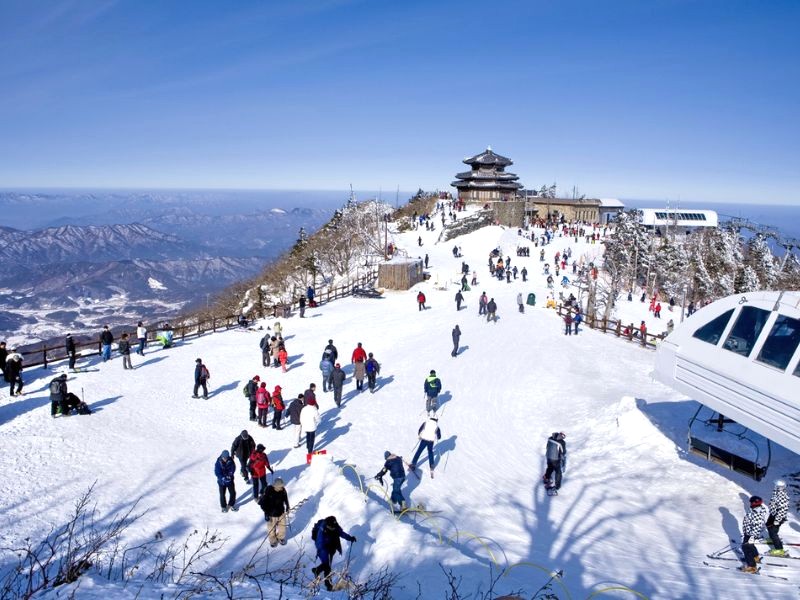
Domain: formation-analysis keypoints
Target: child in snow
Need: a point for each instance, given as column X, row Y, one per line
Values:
column 262, row 404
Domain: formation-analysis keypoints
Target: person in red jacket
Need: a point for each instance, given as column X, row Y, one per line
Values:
column 359, row 354
column 258, row 465
column 262, row 403
column 277, row 407
column 421, row 300
column 359, row 361
column 283, row 358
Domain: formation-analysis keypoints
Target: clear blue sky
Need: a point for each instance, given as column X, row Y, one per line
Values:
column 640, row 99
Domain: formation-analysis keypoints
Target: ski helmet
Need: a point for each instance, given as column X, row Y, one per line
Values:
column 780, row 483
column 755, row 501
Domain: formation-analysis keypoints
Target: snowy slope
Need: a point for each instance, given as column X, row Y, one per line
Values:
column 634, row 510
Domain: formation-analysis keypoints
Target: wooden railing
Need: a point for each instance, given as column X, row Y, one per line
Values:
column 614, row 327
column 188, row 329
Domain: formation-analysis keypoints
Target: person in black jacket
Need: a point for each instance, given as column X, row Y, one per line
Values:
column 555, row 454
column 330, row 353
column 58, row 395
column 106, row 339
column 326, row 534
column 69, row 346
column 13, row 372
column 294, row 418
column 336, row 382
column 456, row 340
column 201, row 376
column 252, row 387
column 394, row 465
column 3, row 358
column 275, row 504
column 242, row 447
column 125, row 350
column 302, row 304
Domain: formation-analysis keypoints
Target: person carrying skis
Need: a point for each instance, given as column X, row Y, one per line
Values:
column 295, row 408
column 491, row 311
column 428, row 433
column 277, row 408
column 225, row 469
column 262, row 403
column 394, row 465
column 778, row 510
column 373, row 368
column 752, row 527
column 326, row 534
column 432, row 387
column 421, row 300
column 359, row 359
column 242, row 447
column 201, row 376
column 258, row 465
column 251, row 388
column 336, row 382
column 275, row 504
column 456, row 340
column 556, row 455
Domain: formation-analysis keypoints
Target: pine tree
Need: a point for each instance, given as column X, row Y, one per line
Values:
column 760, row 259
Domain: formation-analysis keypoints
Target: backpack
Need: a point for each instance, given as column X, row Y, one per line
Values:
column 245, row 391
column 264, row 343
column 204, row 373
column 55, row 387
column 315, row 530
column 327, row 355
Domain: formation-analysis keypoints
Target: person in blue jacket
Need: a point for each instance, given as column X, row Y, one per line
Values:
column 326, row 535
column 432, row 387
column 394, row 465
column 326, row 367
column 225, row 470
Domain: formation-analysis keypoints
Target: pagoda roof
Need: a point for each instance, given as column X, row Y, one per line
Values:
column 487, row 157
column 487, row 185
column 487, row 175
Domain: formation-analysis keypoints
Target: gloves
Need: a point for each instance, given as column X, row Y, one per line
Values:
column 272, row 471
column 379, row 478
column 354, row 540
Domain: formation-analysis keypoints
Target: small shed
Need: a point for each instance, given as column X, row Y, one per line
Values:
column 400, row 273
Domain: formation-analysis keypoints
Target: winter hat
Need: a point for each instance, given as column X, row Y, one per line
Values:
column 433, row 372
column 244, row 433
column 780, row 483
column 337, row 366
column 264, row 384
column 387, row 454
column 755, row 501
column 256, row 378
column 225, row 454
column 63, row 376
column 370, row 354
column 330, row 521
column 277, row 484
column 260, row 447
column 278, row 388
column 359, row 344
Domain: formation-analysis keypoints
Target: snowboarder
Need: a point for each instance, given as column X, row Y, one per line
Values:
column 428, row 433
column 295, row 409
column 277, row 407
column 432, row 387
column 124, row 348
column 778, row 510
column 325, row 366
column 242, row 447
column 491, row 311
column 752, row 526
column 251, row 388
column 520, row 303
column 456, row 340
column 13, row 372
column 262, row 403
column 358, row 360
column 326, row 534
column 373, row 368
column 201, row 376
column 258, row 465
column 421, row 300
column 336, row 382
column 58, row 396
column 275, row 504
column 309, row 420
column 225, row 469
column 394, row 465
column 556, row 456
column 106, row 339
column 141, row 337
column 71, row 352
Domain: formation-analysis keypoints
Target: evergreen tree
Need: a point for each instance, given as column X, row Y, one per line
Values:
column 760, row 259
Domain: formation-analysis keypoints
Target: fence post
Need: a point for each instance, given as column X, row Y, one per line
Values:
column 617, row 328
column 100, row 347
column 44, row 355
column 605, row 324
column 214, row 324
column 183, row 332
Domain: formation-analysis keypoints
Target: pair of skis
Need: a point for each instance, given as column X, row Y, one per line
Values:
column 738, row 556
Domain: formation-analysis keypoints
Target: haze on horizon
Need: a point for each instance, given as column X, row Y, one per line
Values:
column 663, row 99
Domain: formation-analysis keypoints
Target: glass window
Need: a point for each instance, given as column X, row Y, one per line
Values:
column 745, row 331
column 712, row 331
column 781, row 343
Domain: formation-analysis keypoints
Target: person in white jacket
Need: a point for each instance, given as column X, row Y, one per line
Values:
column 141, row 336
column 429, row 433
column 309, row 419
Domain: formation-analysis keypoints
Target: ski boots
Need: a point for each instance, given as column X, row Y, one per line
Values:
column 777, row 552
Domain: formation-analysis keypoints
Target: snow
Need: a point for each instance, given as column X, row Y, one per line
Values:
column 155, row 284
column 635, row 510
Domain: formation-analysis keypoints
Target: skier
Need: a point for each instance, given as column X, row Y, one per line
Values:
column 326, row 367
column 225, row 469
column 70, row 348
column 13, row 372
column 141, row 337
column 358, row 359
column 242, row 447
column 752, row 527
column 520, row 303
column 432, row 387
column 258, row 465
column 106, row 339
column 262, row 403
column 456, row 339
column 394, row 465
column 556, row 455
column 201, row 376
column 482, row 301
column 295, row 409
column 309, row 420
column 58, row 396
column 491, row 311
column 326, row 534
column 251, row 388
column 336, row 382
column 277, row 407
column 421, row 300
column 373, row 368
column 275, row 504
column 124, row 347
column 428, row 433
column 778, row 510
column 459, row 300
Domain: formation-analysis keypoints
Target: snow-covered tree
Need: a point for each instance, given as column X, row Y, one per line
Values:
column 759, row 257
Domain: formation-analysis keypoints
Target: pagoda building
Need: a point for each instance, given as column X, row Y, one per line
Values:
column 488, row 180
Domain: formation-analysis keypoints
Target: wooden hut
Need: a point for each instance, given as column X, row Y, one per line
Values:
column 400, row 273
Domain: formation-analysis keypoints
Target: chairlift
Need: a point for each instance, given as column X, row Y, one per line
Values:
column 734, row 446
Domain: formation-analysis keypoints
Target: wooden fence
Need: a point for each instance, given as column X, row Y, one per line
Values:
column 615, row 327
column 187, row 328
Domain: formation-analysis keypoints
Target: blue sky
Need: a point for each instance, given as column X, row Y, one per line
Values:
column 643, row 99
